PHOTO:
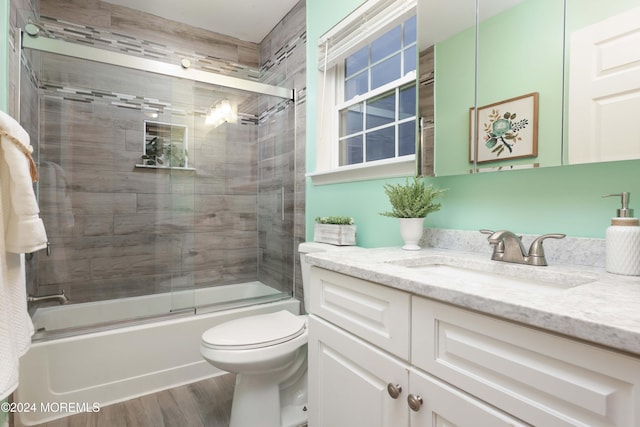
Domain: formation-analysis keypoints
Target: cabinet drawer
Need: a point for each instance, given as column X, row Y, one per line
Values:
column 541, row 378
column 376, row 313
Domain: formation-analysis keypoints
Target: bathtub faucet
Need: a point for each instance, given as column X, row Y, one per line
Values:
column 60, row 297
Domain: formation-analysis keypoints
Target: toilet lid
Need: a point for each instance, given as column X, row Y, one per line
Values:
column 257, row 331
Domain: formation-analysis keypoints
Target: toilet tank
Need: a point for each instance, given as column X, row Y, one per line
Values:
column 311, row 247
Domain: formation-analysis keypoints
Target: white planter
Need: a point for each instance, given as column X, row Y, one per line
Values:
column 335, row 234
column 411, row 230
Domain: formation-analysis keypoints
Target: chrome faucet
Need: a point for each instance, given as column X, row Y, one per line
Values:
column 60, row 297
column 509, row 248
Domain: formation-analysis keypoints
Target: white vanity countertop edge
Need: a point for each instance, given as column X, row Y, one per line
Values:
column 605, row 311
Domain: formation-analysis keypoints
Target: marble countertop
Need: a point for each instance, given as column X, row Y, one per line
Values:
column 582, row 302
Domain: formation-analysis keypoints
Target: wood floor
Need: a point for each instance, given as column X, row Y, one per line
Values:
column 203, row 404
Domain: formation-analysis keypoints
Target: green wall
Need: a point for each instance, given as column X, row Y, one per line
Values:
column 564, row 199
column 454, row 95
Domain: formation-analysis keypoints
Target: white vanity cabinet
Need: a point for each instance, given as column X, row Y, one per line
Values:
column 375, row 350
column 355, row 382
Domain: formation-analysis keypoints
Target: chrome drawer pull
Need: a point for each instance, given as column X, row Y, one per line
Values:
column 394, row 390
column 415, row 402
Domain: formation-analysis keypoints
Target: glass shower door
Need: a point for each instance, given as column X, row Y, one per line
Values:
column 152, row 203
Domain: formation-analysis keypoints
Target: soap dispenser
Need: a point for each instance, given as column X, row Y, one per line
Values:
column 622, row 245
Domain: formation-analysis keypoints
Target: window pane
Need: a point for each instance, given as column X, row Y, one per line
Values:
column 356, row 85
column 386, row 44
column 357, row 61
column 351, row 120
column 410, row 31
column 410, row 59
column 385, row 72
column 407, row 138
column 407, row 102
column 381, row 144
column 351, row 151
column 381, row 110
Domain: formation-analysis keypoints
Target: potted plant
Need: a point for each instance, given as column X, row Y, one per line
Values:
column 411, row 202
column 337, row 230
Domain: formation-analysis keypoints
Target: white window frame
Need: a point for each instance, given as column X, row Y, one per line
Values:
column 366, row 23
column 389, row 87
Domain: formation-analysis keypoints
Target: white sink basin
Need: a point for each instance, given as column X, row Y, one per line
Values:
column 480, row 272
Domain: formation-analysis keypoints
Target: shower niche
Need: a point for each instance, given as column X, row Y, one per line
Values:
column 164, row 146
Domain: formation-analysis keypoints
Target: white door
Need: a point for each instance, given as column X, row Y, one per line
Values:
column 348, row 381
column 604, row 90
column 445, row 406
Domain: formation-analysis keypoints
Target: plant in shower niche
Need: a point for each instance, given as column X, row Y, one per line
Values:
column 152, row 151
column 336, row 230
column 165, row 153
column 175, row 155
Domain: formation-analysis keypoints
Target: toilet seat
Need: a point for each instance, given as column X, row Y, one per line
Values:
column 253, row 332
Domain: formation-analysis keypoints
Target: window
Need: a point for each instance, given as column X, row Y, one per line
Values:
column 378, row 117
column 367, row 111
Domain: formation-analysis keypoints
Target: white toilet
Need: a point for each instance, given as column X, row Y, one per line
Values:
column 268, row 353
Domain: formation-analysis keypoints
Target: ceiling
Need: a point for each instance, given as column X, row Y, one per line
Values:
column 248, row 20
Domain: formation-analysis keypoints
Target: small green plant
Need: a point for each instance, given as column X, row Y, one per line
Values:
column 339, row 220
column 412, row 199
column 176, row 155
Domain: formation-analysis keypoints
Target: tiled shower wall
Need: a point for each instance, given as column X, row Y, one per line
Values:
column 282, row 155
column 135, row 231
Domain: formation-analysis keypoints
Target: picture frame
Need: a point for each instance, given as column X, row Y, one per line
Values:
column 505, row 130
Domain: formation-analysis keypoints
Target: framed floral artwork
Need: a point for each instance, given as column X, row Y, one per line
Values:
column 506, row 129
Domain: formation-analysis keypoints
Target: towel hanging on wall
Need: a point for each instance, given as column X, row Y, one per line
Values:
column 22, row 231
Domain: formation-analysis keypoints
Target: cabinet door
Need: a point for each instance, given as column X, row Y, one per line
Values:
column 539, row 377
column 445, row 406
column 348, row 381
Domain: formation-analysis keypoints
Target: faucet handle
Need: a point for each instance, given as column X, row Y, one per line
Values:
column 497, row 248
column 537, row 251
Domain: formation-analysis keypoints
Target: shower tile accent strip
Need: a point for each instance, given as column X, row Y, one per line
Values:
column 84, row 34
column 279, row 107
column 299, row 41
column 140, row 103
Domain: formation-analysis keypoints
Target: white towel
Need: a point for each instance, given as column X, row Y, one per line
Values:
column 22, row 231
column 25, row 231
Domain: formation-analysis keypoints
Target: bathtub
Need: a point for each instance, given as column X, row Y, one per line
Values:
column 79, row 373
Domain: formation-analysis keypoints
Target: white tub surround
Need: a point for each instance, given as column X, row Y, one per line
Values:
column 65, row 320
column 119, row 364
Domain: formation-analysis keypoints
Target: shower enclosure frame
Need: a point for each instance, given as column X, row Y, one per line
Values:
column 183, row 71
column 31, row 40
